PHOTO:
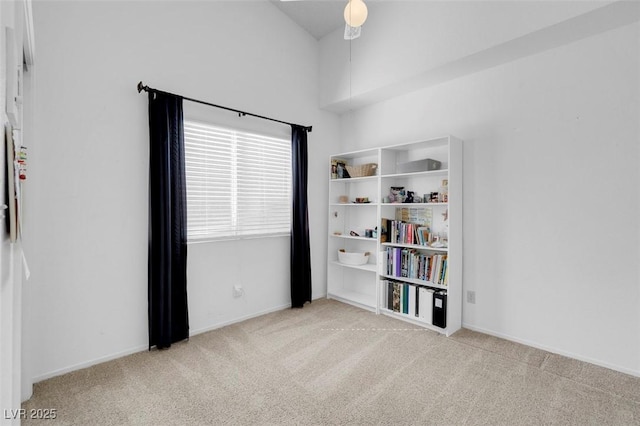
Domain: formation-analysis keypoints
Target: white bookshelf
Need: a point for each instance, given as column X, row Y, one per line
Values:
column 363, row 285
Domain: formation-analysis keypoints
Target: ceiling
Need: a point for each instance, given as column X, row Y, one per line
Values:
column 317, row 17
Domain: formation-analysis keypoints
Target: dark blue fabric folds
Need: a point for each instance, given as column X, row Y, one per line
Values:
column 167, row 262
column 300, row 253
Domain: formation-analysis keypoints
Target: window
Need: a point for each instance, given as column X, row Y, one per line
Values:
column 238, row 183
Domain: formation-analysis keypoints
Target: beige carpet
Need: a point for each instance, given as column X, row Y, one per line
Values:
column 332, row 363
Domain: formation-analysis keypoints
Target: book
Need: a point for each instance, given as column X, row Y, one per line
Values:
column 396, row 297
column 404, row 263
column 405, row 298
column 445, row 281
column 397, row 259
column 383, row 266
column 424, row 235
column 384, row 230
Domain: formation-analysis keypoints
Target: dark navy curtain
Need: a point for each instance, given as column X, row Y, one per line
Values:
column 167, row 292
column 300, row 254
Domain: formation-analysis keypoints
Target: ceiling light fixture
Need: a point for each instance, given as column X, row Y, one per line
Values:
column 355, row 13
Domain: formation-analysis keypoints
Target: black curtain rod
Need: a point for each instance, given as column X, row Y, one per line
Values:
column 142, row 87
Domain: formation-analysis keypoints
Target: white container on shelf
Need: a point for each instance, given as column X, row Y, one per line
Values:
column 354, row 258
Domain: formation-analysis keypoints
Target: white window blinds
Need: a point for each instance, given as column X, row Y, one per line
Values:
column 238, row 183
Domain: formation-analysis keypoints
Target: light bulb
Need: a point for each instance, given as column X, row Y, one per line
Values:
column 355, row 13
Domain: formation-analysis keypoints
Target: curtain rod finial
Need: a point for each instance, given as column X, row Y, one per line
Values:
column 141, row 87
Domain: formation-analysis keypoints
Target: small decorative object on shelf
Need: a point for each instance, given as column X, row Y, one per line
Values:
column 409, row 198
column 338, row 168
column 433, row 197
column 444, row 191
column 342, row 171
column 397, row 194
column 21, row 158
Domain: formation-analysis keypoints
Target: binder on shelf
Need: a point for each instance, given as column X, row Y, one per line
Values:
column 440, row 309
column 425, row 304
column 412, row 300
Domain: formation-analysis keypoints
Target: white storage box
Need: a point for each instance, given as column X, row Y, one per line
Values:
column 419, row 166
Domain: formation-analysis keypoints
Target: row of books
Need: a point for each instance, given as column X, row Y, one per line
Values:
column 410, row 263
column 423, row 303
column 399, row 232
column 408, row 233
column 410, row 226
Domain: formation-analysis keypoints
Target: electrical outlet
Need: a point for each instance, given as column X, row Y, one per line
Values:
column 471, row 297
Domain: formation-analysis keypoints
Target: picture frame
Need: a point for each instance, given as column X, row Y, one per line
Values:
column 338, row 168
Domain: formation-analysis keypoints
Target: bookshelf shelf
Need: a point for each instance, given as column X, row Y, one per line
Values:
column 349, row 237
column 441, row 172
column 415, row 281
column 354, row 179
column 371, row 286
column 366, row 267
column 354, row 204
column 362, row 300
column 415, row 246
column 412, row 320
column 414, row 204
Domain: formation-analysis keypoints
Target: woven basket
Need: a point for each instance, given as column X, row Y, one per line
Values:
column 362, row 170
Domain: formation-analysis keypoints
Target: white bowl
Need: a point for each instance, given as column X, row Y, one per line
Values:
column 353, row 258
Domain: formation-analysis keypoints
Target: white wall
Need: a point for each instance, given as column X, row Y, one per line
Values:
column 408, row 44
column 11, row 279
column 551, row 213
column 90, row 270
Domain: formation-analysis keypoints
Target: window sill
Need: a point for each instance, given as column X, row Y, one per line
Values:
column 235, row 238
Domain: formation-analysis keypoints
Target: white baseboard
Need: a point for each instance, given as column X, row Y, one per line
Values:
column 553, row 350
column 142, row 348
column 86, row 364
column 246, row 317
column 236, row 320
